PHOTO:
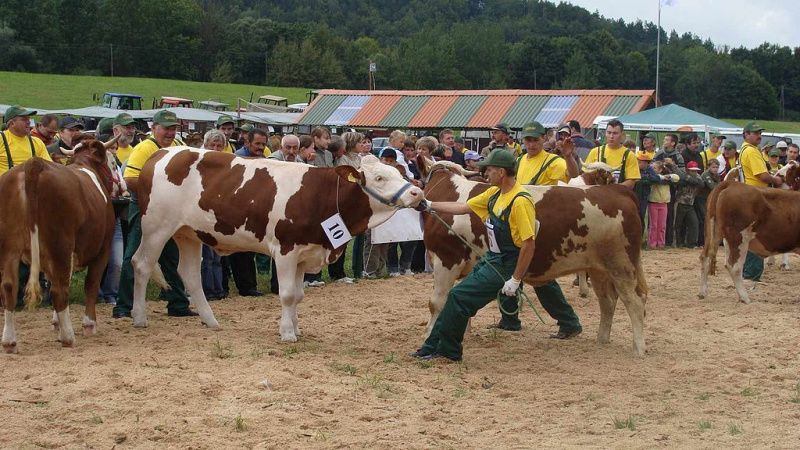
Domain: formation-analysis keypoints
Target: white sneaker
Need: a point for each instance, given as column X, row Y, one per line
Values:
column 394, row 274
column 345, row 280
column 408, row 272
column 317, row 283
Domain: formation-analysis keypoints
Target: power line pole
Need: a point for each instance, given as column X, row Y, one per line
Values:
column 658, row 51
column 112, row 59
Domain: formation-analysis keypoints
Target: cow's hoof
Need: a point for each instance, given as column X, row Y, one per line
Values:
column 785, row 267
column 583, row 295
column 288, row 338
column 68, row 343
column 701, row 296
column 140, row 324
column 10, row 347
column 89, row 330
column 213, row 324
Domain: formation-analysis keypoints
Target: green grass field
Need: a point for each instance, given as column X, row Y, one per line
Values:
column 771, row 125
column 72, row 91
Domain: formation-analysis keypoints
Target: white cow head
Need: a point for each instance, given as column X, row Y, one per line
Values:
column 385, row 187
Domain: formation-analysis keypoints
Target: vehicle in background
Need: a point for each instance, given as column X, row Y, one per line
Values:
column 172, row 102
column 274, row 100
column 116, row 100
column 379, row 143
column 212, row 105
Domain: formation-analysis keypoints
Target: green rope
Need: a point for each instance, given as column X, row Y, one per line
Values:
column 521, row 296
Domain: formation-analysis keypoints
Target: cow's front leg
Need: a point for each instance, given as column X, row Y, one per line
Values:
column 290, row 281
column 189, row 264
column 785, row 262
column 735, row 265
column 59, row 293
column 91, row 287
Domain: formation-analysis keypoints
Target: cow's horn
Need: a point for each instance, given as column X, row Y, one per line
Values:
column 111, row 142
column 69, row 152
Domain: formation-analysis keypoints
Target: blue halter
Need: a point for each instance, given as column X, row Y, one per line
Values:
column 391, row 202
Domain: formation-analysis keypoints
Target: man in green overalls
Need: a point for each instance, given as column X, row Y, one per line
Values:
column 537, row 167
column 164, row 127
column 510, row 219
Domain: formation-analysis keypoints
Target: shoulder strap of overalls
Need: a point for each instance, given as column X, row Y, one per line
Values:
column 492, row 201
column 704, row 157
column 602, row 156
column 622, row 169
column 154, row 142
column 33, row 150
column 544, row 167
column 8, row 150
column 507, row 212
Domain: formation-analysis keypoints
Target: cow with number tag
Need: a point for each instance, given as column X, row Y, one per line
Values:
column 298, row 214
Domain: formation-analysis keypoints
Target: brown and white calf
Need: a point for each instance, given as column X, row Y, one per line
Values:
column 235, row 204
column 57, row 219
column 595, row 229
column 746, row 218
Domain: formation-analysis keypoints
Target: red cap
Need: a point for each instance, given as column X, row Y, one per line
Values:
column 692, row 165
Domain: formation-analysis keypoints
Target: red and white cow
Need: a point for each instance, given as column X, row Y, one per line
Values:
column 273, row 207
column 58, row 219
column 746, row 218
column 595, row 229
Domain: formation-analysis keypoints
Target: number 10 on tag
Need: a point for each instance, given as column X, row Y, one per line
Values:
column 336, row 230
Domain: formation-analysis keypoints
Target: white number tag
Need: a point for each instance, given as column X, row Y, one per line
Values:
column 493, row 247
column 336, row 230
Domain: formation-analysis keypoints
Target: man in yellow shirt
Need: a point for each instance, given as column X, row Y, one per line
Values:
column 754, row 169
column 539, row 167
column 164, row 128
column 510, row 219
column 615, row 155
column 17, row 142
column 714, row 150
column 125, row 129
column 227, row 125
column 648, row 146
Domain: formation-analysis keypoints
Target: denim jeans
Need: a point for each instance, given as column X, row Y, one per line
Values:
column 211, row 273
column 402, row 262
column 109, row 287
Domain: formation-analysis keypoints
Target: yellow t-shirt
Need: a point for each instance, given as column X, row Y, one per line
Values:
column 530, row 166
column 613, row 157
column 522, row 217
column 517, row 148
column 140, row 154
column 230, row 148
column 20, row 150
column 650, row 154
column 123, row 153
column 708, row 155
column 774, row 169
column 754, row 163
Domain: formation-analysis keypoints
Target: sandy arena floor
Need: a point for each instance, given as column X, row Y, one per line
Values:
column 717, row 374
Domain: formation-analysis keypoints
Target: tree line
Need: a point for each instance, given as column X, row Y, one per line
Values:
column 415, row 44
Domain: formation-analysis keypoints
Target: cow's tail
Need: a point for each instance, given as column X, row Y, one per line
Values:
column 708, row 256
column 158, row 278
column 32, row 171
column 641, row 280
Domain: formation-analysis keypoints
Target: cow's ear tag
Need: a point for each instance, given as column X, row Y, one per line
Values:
column 353, row 179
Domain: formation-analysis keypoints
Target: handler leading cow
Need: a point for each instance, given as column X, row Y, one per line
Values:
column 237, row 204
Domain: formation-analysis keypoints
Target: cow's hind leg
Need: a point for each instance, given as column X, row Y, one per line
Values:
column 607, row 298
column 626, row 288
column 59, row 293
column 8, row 285
column 443, row 280
column 143, row 262
column 583, row 284
column 191, row 258
column 290, row 282
column 785, row 262
column 91, row 287
column 735, row 263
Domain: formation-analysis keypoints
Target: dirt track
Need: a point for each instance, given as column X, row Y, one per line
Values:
column 717, row 373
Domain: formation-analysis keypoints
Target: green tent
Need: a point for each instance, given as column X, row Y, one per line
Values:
column 675, row 117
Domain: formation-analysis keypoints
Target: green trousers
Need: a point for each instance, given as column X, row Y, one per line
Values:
column 553, row 301
column 753, row 267
column 474, row 292
column 263, row 263
column 176, row 298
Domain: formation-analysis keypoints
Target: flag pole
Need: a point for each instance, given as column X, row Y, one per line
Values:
column 658, row 50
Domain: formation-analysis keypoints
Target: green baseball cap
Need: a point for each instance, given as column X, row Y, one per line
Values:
column 247, row 127
column 499, row 158
column 533, row 129
column 17, row 111
column 223, row 119
column 165, row 118
column 650, row 135
column 502, row 126
column 105, row 125
column 123, row 119
column 459, row 139
column 774, row 152
column 730, row 145
column 753, row 127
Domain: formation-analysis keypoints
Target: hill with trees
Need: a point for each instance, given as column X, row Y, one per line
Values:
column 416, row 44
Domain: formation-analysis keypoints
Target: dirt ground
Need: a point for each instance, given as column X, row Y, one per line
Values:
column 717, row 374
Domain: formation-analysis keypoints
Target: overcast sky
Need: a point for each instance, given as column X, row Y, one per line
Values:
column 735, row 23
